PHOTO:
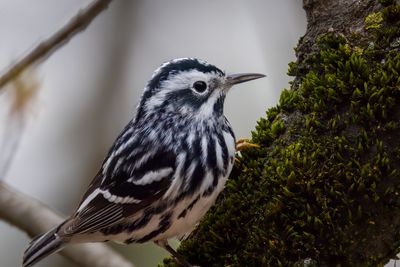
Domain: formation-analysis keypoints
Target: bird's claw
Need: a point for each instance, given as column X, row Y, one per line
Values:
column 244, row 143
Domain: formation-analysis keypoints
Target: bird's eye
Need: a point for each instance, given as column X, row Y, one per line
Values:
column 200, row 86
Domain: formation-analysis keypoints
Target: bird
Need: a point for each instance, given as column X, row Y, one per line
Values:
column 164, row 170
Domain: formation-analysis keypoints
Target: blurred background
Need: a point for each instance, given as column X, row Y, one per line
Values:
column 89, row 88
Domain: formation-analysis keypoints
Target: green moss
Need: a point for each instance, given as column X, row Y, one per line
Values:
column 374, row 20
column 327, row 172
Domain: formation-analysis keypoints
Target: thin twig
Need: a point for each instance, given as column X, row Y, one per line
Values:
column 33, row 217
column 61, row 37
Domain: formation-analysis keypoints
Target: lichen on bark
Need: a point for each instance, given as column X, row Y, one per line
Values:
column 324, row 188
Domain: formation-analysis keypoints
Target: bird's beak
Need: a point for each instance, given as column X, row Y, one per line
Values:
column 233, row 79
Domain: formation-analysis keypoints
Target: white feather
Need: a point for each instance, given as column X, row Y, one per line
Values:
column 152, row 176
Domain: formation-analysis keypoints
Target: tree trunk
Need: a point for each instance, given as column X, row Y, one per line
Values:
column 324, row 188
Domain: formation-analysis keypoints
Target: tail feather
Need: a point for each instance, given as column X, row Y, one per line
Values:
column 42, row 246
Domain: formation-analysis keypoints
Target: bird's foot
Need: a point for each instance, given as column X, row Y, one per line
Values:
column 244, row 143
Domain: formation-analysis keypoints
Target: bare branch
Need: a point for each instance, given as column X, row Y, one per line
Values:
column 33, row 217
column 61, row 37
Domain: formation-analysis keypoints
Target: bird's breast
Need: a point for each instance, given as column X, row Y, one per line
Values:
column 214, row 152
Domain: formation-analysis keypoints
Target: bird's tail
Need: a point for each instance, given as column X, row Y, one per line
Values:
column 42, row 246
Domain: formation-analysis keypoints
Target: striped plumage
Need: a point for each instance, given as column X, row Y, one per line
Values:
column 165, row 169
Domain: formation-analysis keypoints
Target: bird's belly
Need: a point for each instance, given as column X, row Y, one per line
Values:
column 190, row 211
column 187, row 214
column 185, row 219
column 182, row 222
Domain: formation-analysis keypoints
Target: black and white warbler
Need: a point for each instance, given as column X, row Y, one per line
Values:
column 165, row 169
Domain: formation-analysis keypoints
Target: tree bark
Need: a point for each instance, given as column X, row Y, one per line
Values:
column 324, row 188
column 340, row 16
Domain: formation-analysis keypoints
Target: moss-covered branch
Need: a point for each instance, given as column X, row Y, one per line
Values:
column 324, row 188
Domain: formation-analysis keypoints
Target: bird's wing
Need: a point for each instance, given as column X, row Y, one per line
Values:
column 128, row 182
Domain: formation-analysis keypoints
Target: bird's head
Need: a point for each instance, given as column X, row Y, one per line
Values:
column 189, row 86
